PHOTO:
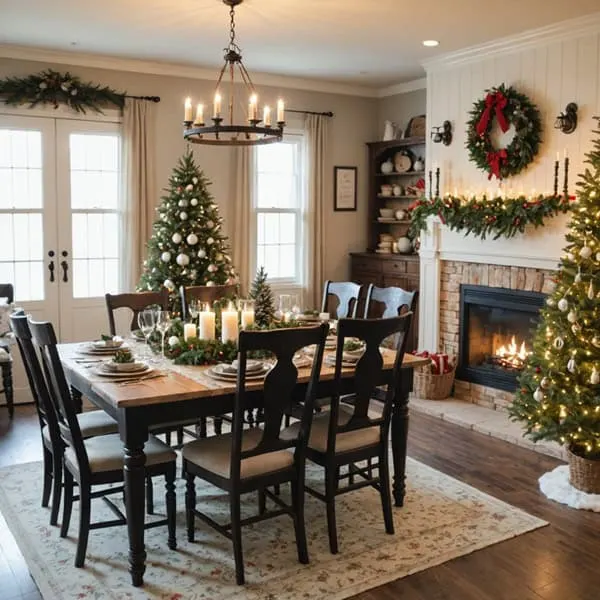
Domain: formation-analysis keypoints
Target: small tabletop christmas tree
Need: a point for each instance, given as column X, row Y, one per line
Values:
column 559, row 393
column 187, row 246
column 264, row 307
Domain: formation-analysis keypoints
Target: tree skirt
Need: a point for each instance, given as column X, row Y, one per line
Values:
column 556, row 486
column 442, row 519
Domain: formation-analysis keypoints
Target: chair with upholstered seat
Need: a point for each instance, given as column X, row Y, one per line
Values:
column 97, row 460
column 347, row 435
column 347, row 294
column 254, row 459
column 92, row 423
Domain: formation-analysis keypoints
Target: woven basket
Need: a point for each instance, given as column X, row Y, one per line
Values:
column 432, row 387
column 584, row 474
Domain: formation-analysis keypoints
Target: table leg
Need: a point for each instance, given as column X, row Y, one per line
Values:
column 400, row 436
column 77, row 399
column 134, row 476
column 7, row 384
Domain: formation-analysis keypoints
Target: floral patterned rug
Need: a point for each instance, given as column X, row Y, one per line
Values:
column 442, row 519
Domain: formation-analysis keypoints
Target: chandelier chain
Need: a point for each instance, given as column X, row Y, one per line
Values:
column 232, row 43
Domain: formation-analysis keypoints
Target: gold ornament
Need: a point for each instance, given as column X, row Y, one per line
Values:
column 591, row 293
column 545, row 383
column 595, row 377
column 596, row 341
column 585, row 252
column 559, row 343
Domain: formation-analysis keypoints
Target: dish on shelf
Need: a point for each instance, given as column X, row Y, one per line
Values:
column 386, row 213
column 403, row 161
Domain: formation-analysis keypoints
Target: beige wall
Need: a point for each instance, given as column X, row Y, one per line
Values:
column 353, row 125
column 400, row 108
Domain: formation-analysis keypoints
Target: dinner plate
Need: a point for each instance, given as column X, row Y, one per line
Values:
column 135, row 367
column 252, row 366
column 118, row 375
column 330, row 361
column 137, row 335
column 301, row 361
column 308, row 318
column 88, row 348
column 216, row 372
column 103, row 345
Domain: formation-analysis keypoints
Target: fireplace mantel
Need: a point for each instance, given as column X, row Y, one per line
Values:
column 535, row 249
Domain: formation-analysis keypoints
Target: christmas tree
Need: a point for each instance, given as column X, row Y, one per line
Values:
column 264, row 307
column 187, row 246
column 558, row 396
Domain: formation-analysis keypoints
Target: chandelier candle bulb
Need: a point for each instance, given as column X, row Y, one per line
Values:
column 253, row 108
column 217, row 106
column 280, row 111
column 188, row 110
column 267, row 116
column 189, row 331
column 229, row 324
column 207, row 324
column 199, row 115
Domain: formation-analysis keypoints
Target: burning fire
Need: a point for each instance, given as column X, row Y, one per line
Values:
column 513, row 355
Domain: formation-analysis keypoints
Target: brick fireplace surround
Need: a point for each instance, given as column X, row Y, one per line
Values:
column 452, row 274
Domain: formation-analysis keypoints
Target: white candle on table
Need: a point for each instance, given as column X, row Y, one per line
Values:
column 267, row 116
column 287, row 317
column 247, row 317
column 188, row 109
column 207, row 325
column 280, row 111
column 199, row 115
column 229, row 325
column 189, row 331
column 217, row 106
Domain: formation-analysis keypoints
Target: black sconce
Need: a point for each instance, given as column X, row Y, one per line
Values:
column 567, row 121
column 444, row 136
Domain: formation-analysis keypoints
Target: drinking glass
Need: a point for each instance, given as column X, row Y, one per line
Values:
column 146, row 321
column 194, row 309
column 163, row 323
column 285, row 307
column 296, row 310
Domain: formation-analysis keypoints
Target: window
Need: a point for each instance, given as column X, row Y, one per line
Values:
column 279, row 205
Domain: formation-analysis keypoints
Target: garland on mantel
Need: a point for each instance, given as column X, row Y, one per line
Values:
column 497, row 216
column 54, row 88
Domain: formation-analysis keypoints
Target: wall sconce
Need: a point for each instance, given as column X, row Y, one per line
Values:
column 444, row 136
column 567, row 121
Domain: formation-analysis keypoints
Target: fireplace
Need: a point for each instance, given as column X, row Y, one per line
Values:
column 495, row 334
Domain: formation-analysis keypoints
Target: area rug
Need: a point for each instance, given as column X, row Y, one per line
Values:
column 442, row 519
column 556, row 486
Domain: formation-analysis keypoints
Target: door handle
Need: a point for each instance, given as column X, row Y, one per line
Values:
column 65, row 267
column 51, row 266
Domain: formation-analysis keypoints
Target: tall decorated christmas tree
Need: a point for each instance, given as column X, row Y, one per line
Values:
column 558, row 397
column 187, row 246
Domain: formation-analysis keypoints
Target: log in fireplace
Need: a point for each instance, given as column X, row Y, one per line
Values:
column 495, row 334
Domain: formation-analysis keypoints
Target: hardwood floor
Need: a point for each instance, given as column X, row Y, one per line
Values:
column 558, row 562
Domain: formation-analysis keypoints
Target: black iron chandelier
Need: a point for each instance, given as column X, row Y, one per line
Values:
column 253, row 130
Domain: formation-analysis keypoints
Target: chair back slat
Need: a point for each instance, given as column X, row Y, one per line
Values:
column 347, row 294
column 44, row 338
column 204, row 293
column 278, row 391
column 136, row 302
column 7, row 290
column 368, row 372
column 395, row 301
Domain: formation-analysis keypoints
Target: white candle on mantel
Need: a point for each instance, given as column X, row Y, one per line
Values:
column 189, row 331
column 217, row 106
column 188, row 109
column 247, row 317
column 280, row 111
column 199, row 115
column 267, row 116
column 229, row 324
column 207, row 325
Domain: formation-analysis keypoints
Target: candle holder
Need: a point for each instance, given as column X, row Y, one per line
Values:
column 556, row 167
column 566, row 183
column 430, row 185
column 187, row 124
column 437, row 182
column 254, row 122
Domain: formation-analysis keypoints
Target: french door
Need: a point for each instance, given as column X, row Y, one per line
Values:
column 60, row 220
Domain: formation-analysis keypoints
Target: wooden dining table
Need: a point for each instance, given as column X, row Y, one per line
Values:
column 185, row 393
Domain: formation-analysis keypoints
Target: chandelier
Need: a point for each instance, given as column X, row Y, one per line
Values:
column 217, row 132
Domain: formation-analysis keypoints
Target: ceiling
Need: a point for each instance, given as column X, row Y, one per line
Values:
column 372, row 43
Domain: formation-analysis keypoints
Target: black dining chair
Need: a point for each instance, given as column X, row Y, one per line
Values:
column 347, row 435
column 96, row 461
column 91, row 423
column 257, row 458
column 7, row 291
column 347, row 294
column 135, row 302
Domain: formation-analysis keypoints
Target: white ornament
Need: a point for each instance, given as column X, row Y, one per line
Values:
column 195, row 180
column 194, row 201
column 189, row 187
column 585, row 252
column 563, row 305
column 201, row 253
column 183, row 260
column 164, row 217
column 545, row 383
column 595, row 377
column 559, row 343
column 210, row 224
column 173, row 341
column 177, row 238
column 169, row 285
column 572, row 316
column 183, row 216
column 538, row 395
column 211, row 268
column 578, row 277
column 210, row 241
column 576, row 328
column 193, row 274
column 550, row 302
column 591, row 292
column 210, row 283
column 598, row 256
column 569, row 256
column 192, row 239
column 572, row 365
column 165, row 257
column 219, row 257
column 182, row 203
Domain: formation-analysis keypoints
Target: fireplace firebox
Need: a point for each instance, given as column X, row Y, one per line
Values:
column 495, row 334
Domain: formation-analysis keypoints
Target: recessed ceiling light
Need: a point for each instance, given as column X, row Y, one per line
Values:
column 431, row 43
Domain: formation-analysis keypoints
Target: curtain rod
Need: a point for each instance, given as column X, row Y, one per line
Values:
column 148, row 98
column 310, row 112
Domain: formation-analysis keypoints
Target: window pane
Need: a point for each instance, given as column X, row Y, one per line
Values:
column 287, row 228
column 276, row 191
column 287, row 261
column 276, row 158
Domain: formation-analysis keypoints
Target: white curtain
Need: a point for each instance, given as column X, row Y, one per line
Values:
column 139, row 187
column 241, row 240
column 316, row 145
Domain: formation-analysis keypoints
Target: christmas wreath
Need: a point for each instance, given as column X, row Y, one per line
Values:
column 499, row 217
column 508, row 107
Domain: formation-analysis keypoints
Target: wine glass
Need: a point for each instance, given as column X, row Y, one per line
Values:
column 146, row 321
column 285, row 307
column 296, row 310
column 163, row 323
column 193, row 309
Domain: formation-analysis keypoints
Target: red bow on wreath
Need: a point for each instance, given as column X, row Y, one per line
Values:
column 499, row 101
column 495, row 160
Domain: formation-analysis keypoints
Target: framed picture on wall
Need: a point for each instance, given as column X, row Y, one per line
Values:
column 344, row 188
